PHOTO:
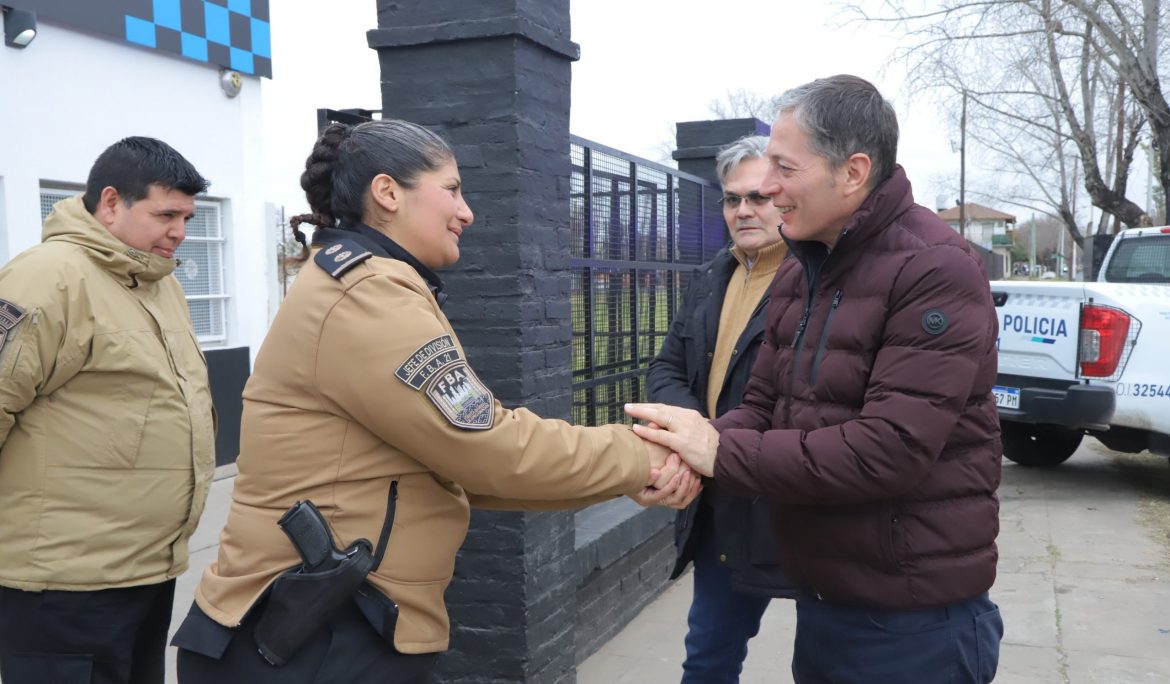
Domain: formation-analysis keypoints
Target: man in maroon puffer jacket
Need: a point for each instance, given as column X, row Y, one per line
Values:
column 869, row 419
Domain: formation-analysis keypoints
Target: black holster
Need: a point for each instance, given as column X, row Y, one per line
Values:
column 302, row 601
column 299, row 603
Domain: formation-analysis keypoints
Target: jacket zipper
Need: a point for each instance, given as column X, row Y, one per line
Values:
column 814, row 277
column 824, row 338
column 798, row 341
column 387, row 524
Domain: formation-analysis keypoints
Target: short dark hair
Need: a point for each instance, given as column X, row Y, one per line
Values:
column 842, row 116
column 133, row 164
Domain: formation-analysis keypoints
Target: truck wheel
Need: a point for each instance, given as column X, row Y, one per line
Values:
column 1038, row 446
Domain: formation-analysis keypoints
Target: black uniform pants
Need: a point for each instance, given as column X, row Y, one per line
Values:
column 346, row 651
column 112, row 636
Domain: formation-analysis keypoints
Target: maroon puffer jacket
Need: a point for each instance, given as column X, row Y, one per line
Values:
column 869, row 417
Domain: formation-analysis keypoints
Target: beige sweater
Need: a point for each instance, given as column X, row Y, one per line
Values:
column 746, row 288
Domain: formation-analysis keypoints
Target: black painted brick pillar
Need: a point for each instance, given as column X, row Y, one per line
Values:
column 492, row 77
column 697, row 142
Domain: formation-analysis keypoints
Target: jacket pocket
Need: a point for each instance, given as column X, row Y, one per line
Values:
column 98, row 417
column 988, row 633
column 763, row 547
column 684, row 522
column 890, row 537
column 59, row 668
column 907, row 622
column 692, row 359
column 187, row 356
column 127, row 414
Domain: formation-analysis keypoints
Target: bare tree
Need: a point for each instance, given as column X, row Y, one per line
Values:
column 742, row 104
column 1052, row 102
column 1096, row 80
column 1127, row 35
column 1036, row 164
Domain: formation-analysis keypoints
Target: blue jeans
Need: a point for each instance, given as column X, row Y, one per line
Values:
column 721, row 620
column 958, row 643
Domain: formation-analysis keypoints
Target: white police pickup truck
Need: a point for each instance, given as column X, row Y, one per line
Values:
column 1088, row 358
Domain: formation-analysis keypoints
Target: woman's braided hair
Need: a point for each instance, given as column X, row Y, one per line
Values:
column 346, row 159
column 317, row 182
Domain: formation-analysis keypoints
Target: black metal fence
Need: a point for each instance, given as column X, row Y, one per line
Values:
column 638, row 231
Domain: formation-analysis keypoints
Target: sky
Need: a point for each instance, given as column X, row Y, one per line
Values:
column 645, row 65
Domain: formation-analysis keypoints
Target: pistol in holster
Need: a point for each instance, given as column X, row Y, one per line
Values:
column 302, row 600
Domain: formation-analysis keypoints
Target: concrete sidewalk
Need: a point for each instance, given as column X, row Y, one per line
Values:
column 203, row 548
column 1084, row 584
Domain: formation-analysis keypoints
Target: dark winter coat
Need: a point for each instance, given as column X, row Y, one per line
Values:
column 678, row 376
column 869, row 418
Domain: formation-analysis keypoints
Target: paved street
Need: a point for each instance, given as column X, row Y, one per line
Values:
column 1084, row 583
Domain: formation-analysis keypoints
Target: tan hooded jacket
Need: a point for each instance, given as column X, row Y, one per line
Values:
column 362, row 382
column 106, row 437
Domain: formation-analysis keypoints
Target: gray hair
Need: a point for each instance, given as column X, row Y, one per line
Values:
column 730, row 157
column 845, row 115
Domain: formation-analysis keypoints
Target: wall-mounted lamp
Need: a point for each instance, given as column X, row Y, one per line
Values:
column 20, row 27
column 231, row 82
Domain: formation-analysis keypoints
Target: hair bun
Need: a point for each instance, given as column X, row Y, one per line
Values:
column 317, row 179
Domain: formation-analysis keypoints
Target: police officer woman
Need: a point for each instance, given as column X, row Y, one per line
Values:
column 363, row 402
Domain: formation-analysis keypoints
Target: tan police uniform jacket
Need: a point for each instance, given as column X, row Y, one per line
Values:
column 362, row 382
column 106, row 440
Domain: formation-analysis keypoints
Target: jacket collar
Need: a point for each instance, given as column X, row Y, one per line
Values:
column 381, row 245
column 719, row 272
column 881, row 208
column 884, row 205
column 767, row 260
column 71, row 222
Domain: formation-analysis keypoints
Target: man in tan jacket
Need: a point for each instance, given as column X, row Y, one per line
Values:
column 106, row 438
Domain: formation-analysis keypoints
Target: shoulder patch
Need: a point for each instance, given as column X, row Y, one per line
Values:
column 340, row 256
column 437, row 370
column 462, row 398
column 10, row 315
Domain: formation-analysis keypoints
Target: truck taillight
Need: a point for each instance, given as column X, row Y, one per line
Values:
column 1104, row 340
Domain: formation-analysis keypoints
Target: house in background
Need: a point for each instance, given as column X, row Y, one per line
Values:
column 988, row 228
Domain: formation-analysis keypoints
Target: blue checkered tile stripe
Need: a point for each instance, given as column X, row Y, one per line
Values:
column 231, row 33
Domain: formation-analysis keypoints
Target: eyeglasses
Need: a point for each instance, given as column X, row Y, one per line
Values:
column 732, row 201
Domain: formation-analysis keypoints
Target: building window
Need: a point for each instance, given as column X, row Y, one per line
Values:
column 200, row 272
column 200, row 269
column 51, row 196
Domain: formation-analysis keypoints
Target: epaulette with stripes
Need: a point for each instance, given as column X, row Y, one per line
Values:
column 340, row 256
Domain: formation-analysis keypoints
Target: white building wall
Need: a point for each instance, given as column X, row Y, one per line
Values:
column 69, row 95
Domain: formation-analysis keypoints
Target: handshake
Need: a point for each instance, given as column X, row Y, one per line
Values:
column 676, row 466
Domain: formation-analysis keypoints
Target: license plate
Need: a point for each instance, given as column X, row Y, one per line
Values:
column 1006, row 397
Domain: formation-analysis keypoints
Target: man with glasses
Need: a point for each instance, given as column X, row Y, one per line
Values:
column 704, row 365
